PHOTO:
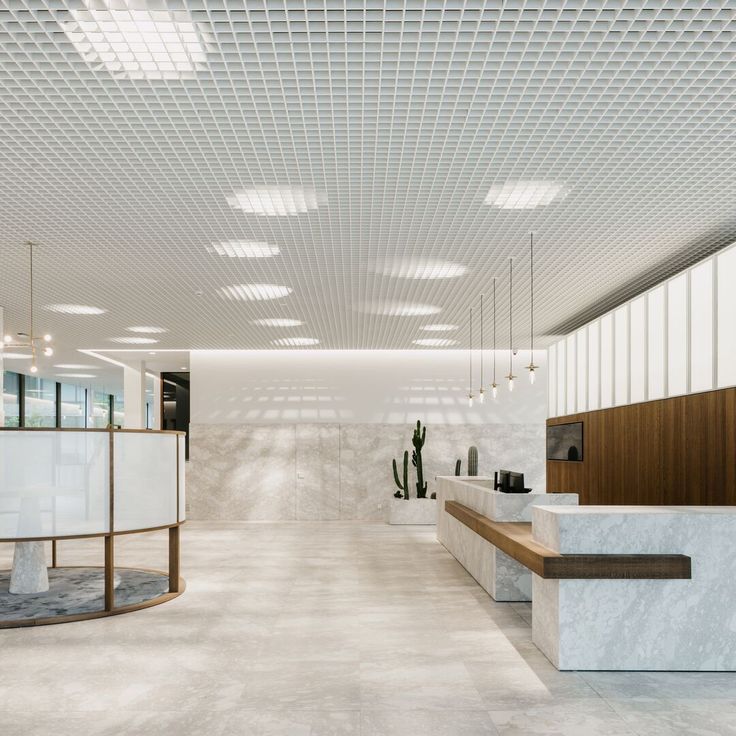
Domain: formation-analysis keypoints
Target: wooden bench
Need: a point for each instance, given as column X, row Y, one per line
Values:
column 514, row 538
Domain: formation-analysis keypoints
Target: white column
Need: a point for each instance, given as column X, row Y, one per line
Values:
column 134, row 395
column 157, row 402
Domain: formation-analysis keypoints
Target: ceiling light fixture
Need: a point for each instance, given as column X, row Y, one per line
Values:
column 434, row 342
column 494, row 385
column 423, row 269
column 74, row 366
column 76, row 375
column 16, row 356
column 134, row 340
column 244, row 249
column 276, row 201
column 511, row 375
column 255, row 292
column 294, row 342
column 277, row 322
column 439, row 328
column 470, row 363
column 402, row 309
column 531, row 367
column 80, row 309
column 132, row 41
column 29, row 340
column 147, row 330
column 481, row 394
column 525, row 195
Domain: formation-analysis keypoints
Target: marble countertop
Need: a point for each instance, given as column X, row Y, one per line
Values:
column 635, row 510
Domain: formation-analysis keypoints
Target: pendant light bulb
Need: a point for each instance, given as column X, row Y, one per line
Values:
column 494, row 390
column 511, row 383
column 470, row 401
column 482, row 396
column 47, row 338
column 8, row 338
column 34, row 368
column 48, row 352
column 531, row 375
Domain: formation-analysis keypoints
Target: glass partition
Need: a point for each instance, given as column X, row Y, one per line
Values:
column 53, row 483
column 100, row 415
column 40, row 402
column 11, row 399
column 145, row 480
column 72, row 408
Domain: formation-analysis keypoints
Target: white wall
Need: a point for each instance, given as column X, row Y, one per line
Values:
column 677, row 338
column 359, row 386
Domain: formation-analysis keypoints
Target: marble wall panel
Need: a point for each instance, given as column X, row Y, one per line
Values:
column 253, row 471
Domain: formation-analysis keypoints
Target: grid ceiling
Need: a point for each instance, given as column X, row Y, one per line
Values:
column 353, row 151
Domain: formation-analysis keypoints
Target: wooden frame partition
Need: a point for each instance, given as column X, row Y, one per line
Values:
column 176, row 585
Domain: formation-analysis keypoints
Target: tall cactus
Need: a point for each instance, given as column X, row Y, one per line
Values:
column 473, row 460
column 418, row 439
column 458, row 466
column 405, row 486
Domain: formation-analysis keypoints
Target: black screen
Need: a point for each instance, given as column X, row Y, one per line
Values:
column 565, row 441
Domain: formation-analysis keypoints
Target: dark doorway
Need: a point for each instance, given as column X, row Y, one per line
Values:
column 175, row 403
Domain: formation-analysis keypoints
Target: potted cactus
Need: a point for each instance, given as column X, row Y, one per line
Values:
column 404, row 508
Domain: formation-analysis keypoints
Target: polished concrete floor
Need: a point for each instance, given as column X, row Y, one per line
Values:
column 325, row 629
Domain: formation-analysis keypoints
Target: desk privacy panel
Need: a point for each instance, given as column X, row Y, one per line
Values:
column 676, row 339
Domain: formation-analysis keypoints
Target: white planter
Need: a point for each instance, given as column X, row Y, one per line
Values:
column 413, row 511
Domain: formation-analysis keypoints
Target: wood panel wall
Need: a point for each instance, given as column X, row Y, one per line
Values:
column 673, row 451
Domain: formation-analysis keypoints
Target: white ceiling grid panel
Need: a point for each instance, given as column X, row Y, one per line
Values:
column 385, row 130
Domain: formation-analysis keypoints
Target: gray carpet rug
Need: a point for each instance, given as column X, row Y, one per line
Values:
column 75, row 590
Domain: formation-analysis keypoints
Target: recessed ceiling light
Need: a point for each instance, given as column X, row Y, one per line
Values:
column 76, row 375
column 134, row 340
column 183, row 368
column 74, row 309
column 130, row 40
column 423, row 269
column 274, row 201
column 16, row 356
column 74, row 366
column 244, row 249
column 401, row 309
column 255, row 292
column 295, row 341
column 434, row 342
column 439, row 328
column 147, row 330
column 525, row 195
column 277, row 322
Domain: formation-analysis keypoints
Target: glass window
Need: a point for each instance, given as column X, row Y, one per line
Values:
column 100, row 409
column 11, row 399
column 72, row 406
column 119, row 409
column 40, row 402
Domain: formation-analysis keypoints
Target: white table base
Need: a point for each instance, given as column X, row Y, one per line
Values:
column 29, row 573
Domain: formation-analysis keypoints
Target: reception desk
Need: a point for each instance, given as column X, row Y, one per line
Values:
column 502, row 577
column 630, row 624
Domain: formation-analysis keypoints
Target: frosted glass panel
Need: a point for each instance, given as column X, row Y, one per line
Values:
column 182, row 471
column 571, row 366
column 145, row 480
column 638, row 346
column 552, row 380
column 701, row 327
column 594, row 365
column 656, row 343
column 621, row 355
column 677, row 336
column 727, row 318
column 561, row 377
column 53, row 483
column 582, row 371
column 606, row 361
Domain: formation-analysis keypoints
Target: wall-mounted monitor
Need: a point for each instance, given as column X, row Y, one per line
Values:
column 565, row 441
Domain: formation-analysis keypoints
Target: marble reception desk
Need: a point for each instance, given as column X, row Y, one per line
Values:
column 639, row 624
column 502, row 577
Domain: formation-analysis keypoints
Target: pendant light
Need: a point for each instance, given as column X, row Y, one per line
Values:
column 531, row 367
column 494, row 385
column 470, row 354
column 29, row 340
column 481, row 394
column 511, row 375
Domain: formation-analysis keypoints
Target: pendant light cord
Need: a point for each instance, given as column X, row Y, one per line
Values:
column 481, row 342
column 531, row 266
column 511, row 331
column 494, row 330
column 470, row 353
